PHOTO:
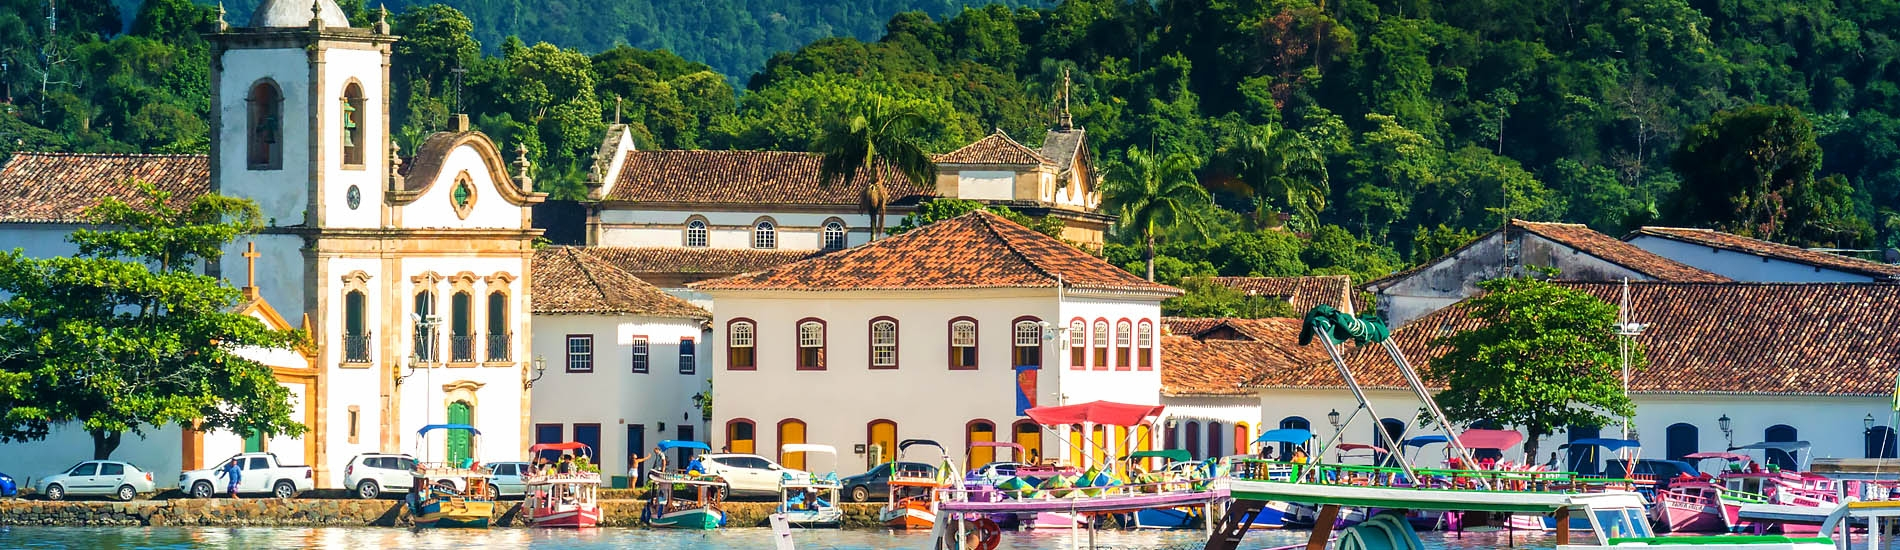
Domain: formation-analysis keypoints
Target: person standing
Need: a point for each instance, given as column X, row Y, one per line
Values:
column 233, row 474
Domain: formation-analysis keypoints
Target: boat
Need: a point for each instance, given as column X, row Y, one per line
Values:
column 913, row 495
column 810, row 500
column 1775, row 486
column 561, row 500
column 684, row 498
column 447, row 495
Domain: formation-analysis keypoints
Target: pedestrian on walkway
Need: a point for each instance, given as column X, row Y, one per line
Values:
column 234, row 474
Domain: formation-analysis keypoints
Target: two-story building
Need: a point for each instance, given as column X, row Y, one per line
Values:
column 947, row 332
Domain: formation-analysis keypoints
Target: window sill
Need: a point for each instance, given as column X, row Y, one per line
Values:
column 348, row 166
column 572, row 371
column 263, row 167
column 884, row 367
column 815, row 369
column 355, row 365
column 744, row 369
column 462, row 364
column 497, row 363
column 971, row 367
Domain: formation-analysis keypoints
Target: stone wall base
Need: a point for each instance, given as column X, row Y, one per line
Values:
column 268, row 512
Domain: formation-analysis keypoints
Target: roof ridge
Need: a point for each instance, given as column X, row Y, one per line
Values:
column 573, row 255
column 107, row 155
column 985, row 217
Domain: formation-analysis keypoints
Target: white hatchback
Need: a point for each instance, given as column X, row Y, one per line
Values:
column 748, row 475
column 369, row 475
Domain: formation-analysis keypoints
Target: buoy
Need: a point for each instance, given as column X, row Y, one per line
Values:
column 988, row 534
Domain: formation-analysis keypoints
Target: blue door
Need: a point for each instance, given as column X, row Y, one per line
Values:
column 589, row 435
column 549, row 433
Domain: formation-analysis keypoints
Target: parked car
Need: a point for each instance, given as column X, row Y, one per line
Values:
column 505, row 479
column 8, row 488
column 371, row 474
column 994, row 472
column 875, row 484
column 96, row 477
column 262, row 473
column 747, row 475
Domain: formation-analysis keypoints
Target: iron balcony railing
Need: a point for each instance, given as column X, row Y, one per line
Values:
column 356, row 348
column 498, row 347
column 462, row 348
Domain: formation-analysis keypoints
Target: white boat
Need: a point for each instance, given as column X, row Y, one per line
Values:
column 810, row 500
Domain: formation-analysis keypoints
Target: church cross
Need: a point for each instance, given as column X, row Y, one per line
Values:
column 250, row 268
column 1065, row 121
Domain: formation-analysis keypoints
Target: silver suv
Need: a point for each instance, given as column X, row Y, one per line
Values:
column 370, row 474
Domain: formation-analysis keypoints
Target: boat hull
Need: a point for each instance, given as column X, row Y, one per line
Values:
column 907, row 518
column 1685, row 517
column 691, row 518
column 574, row 518
column 815, row 518
column 453, row 514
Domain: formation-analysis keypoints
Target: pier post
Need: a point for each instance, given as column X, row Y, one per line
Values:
column 1323, row 527
column 1563, row 526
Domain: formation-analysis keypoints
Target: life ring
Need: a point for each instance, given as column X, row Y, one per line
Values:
column 988, row 534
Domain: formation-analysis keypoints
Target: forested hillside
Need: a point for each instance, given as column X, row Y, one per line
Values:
column 1379, row 131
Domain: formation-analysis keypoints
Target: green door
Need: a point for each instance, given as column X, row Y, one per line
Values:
column 458, row 439
column 254, row 443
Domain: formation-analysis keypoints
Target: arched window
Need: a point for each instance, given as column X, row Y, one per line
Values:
column 355, row 327
column 1880, row 443
column 696, row 234
column 499, row 337
column 1387, row 431
column 740, row 345
column 1028, row 434
column 1124, row 344
column 1078, row 345
column 811, row 344
column 1098, row 447
column 740, row 436
column 884, row 343
column 1145, row 345
column 962, row 343
column 1215, row 437
column 352, row 126
column 424, row 331
column 979, row 431
column 834, row 235
column 1681, row 438
column 883, row 435
column 1027, row 351
column 764, row 235
column 1582, row 458
column 265, row 148
column 790, row 431
column 1192, row 433
column 461, row 325
column 1780, row 433
column 1292, row 422
column 1100, row 337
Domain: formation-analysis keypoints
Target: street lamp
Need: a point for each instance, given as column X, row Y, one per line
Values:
column 1727, row 431
column 1867, row 424
column 1333, row 418
column 540, row 369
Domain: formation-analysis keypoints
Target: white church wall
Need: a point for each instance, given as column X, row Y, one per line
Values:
column 986, row 185
column 612, row 395
column 280, row 194
column 435, row 210
column 497, row 402
column 364, row 67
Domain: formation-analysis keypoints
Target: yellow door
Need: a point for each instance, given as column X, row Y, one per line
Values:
column 985, row 432
column 1144, row 441
column 739, row 436
column 790, row 432
column 1076, row 446
column 1100, row 440
column 884, row 436
column 1029, row 435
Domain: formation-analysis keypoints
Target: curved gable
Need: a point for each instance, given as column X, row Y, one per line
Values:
column 446, row 161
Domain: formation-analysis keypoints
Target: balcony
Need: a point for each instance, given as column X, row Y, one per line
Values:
column 462, row 348
column 425, row 350
column 356, row 348
column 499, row 347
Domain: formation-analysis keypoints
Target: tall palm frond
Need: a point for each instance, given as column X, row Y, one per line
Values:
column 1154, row 195
column 1281, row 169
column 874, row 138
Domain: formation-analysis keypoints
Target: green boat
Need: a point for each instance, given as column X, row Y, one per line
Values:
column 682, row 499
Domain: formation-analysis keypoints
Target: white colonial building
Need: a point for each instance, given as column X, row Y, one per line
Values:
column 355, row 243
column 1208, row 371
column 1729, row 364
column 624, row 360
column 947, row 332
column 1754, row 260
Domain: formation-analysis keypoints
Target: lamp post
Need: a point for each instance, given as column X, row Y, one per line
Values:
column 1333, row 419
column 425, row 329
column 1728, row 431
column 540, row 369
column 1867, row 424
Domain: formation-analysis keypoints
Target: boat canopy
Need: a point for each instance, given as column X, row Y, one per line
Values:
column 1605, row 443
column 1490, row 439
column 1177, row 455
column 1018, row 448
column 1731, row 457
column 808, row 448
column 461, row 427
column 568, row 446
column 908, row 443
column 1359, row 447
column 1100, row 413
column 1284, row 435
column 1424, row 440
column 671, row 444
column 1785, row 446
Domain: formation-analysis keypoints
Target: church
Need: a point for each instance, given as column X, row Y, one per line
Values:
column 410, row 275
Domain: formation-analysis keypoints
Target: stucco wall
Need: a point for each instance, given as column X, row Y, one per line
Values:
column 667, row 228
column 280, row 194
column 613, row 396
column 1449, row 280
column 1743, row 267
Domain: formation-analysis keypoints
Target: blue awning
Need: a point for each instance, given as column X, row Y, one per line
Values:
column 1284, row 435
column 461, row 427
column 671, row 444
column 1607, row 444
column 1424, row 440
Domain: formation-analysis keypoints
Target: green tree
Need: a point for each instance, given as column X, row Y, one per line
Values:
column 1153, row 195
column 1206, row 298
column 875, row 139
column 1541, row 358
column 1752, row 171
column 125, row 336
column 936, row 210
column 1281, row 169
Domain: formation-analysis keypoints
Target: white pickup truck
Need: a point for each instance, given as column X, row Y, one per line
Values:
column 262, row 474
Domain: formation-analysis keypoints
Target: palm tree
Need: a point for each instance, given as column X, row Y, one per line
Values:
column 1155, row 195
column 1277, row 165
column 877, row 134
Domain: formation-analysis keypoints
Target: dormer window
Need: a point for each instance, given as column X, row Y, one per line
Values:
column 834, row 235
column 264, row 146
column 764, row 235
column 351, row 125
column 696, row 234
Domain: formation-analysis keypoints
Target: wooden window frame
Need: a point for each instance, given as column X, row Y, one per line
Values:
column 1145, row 345
column 896, row 344
column 640, row 354
column 730, row 424
column 568, row 347
column 799, row 347
column 689, row 355
column 1099, row 343
column 975, row 356
column 764, row 234
column 1016, row 348
column 704, row 233
column 1078, row 344
column 1124, row 344
column 752, row 359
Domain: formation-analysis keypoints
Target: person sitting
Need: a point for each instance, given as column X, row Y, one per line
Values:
column 567, row 464
column 695, row 468
column 1299, row 455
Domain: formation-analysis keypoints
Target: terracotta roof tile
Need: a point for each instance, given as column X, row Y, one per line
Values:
column 58, row 187
column 1302, row 292
column 706, row 261
column 1583, row 239
column 1212, row 363
column 995, row 148
column 1187, row 326
column 568, row 280
column 975, row 250
column 1729, row 241
column 1746, row 338
column 745, row 177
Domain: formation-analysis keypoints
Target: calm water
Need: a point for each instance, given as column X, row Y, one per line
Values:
column 366, row 538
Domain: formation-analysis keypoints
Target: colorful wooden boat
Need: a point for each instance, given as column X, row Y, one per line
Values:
column 810, row 500
column 450, row 495
column 560, row 500
column 682, row 499
column 912, row 503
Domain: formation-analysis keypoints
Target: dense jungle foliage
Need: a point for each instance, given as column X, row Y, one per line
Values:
column 1335, row 136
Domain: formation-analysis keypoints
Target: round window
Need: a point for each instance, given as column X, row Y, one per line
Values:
column 461, row 194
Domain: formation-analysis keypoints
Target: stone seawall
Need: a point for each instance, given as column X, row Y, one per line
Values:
column 267, row 512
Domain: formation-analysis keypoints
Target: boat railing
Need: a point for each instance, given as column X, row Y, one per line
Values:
column 445, row 469
column 1074, row 493
column 1741, row 496
column 576, row 477
column 1426, row 478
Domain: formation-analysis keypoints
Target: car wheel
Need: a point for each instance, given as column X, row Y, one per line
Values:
column 55, row 492
column 494, row 494
column 860, row 494
column 367, row 489
column 201, row 489
column 284, row 489
column 126, row 493
column 724, row 492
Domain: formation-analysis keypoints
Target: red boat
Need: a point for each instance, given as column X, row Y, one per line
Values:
column 567, row 500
